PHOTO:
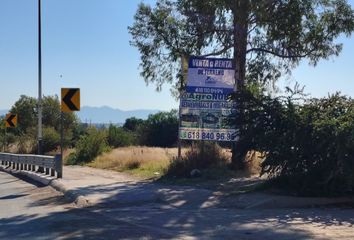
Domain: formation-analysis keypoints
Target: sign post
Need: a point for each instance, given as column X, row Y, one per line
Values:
column 70, row 102
column 184, row 73
column 70, row 99
column 11, row 120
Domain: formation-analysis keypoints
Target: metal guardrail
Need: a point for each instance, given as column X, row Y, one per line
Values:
column 52, row 165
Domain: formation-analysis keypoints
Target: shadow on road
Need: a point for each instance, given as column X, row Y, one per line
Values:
column 153, row 211
column 96, row 223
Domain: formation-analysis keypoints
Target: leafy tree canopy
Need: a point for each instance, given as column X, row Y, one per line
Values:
column 159, row 130
column 266, row 38
column 52, row 112
column 26, row 109
column 132, row 123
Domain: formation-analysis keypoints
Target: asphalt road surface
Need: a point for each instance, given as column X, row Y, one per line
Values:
column 30, row 211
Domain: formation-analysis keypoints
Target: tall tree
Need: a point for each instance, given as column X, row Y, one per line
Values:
column 266, row 38
column 25, row 108
column 132, row 123
column 159, row 130
column 52, row 112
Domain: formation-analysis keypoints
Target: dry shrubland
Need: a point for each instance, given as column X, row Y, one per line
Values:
column 145, row 161
column 150, row 162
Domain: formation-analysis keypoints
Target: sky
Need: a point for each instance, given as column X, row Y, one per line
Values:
column 85, row 44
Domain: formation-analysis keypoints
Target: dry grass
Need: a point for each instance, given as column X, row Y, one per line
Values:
column 66, row 154
column 143, row 161
column 253, row 161
column 153, row 162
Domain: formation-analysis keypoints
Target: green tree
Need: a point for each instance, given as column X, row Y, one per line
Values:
column 51, row 139
column 266, row 39
column 52, row 112
column 25, row 108
column 89, row 146
column 132, row 123
column 118, row 137
column 273, row 35
column 52, row 119
column 77, row 132
column 308, row 145
column 160, row 129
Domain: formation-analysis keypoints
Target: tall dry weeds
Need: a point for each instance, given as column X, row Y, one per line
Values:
column 150, row 160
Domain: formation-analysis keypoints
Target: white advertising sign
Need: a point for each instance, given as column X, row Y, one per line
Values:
column 210, row 75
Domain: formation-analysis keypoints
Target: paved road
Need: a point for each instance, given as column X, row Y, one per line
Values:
column 28, row 211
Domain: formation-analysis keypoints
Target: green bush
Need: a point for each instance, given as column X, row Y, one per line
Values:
column 159, row 130
column 7, row 141
column 118, row 137
column 89, row 146
column 132, row 124
column 51, row 139
column 308, row 143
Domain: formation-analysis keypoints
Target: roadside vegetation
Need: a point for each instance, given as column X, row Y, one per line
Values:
column 146, row 162
column 303, row 145
column 307, row 143
column 23, row 139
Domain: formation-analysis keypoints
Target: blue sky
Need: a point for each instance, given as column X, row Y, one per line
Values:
column 86, row 45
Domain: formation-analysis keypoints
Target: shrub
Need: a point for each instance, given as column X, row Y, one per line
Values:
column 201, row 155
column 26, row 144
column 118, row 137
column 132, row 124
column 7, row 141
column 89, row 146
column 145, row 162
column 159, row 130
column 51, row 139
column 308, row 144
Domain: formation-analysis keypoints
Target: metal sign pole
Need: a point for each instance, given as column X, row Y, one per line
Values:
column 179, row 143
column 61, row 136
column 179, row 135
column 4, row 138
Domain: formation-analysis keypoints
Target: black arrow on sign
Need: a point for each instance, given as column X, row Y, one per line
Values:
column 67, row 99
column 9, row 120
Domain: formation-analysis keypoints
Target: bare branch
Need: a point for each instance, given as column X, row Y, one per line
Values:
column 280, row 54
column 224, row 50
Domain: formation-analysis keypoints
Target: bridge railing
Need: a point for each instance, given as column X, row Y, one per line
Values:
column 52, row 165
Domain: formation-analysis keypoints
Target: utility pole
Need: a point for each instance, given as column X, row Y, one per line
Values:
column 39, row 107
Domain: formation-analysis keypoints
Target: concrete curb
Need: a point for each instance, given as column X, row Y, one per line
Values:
column 70, row 195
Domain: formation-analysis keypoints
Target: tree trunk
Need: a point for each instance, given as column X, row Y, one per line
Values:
column 240, row 15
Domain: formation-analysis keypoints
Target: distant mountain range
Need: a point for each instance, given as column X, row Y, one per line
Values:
column 110, row 115
column 104, row 115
